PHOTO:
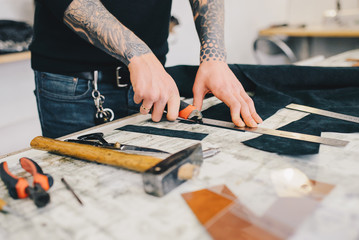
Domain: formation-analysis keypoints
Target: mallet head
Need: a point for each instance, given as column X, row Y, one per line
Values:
column 163, row 177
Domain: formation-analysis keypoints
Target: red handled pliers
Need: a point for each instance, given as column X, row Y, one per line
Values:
column 19, row 187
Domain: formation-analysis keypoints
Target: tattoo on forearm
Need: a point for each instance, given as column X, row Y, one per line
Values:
column 93, row 22
column 209, row 20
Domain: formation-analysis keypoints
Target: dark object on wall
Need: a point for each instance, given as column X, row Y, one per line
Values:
column 173, row 23
column 14, row 36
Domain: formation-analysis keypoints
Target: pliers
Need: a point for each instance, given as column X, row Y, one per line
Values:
column 19, row 187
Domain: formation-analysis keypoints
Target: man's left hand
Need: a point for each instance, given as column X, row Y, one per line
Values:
column 217, row 77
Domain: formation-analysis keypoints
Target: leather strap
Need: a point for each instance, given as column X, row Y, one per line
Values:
column 109, row 76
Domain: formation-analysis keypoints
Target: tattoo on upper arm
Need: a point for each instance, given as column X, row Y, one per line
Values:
column 93, row 22
column 209, row 20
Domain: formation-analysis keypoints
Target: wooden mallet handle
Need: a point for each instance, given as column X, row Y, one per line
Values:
column 139, row 163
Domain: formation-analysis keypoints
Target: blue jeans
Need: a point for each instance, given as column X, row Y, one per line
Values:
column 65, row 104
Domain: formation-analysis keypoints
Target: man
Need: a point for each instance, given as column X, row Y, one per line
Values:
column 125, row 39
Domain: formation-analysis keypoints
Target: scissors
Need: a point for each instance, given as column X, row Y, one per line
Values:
column 97, row 139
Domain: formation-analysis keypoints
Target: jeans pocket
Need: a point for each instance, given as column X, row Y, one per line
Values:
column 61, row 87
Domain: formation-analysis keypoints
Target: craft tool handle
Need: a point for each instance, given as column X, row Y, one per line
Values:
column 5, row 208
column 39, row 177
column 188, row 111
column 2, row 204
column 16, row 185
column 139, row 163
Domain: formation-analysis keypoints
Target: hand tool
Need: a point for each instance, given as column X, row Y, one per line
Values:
column 71, row 190
column 210, row 152
column 6, row 209
column 321, row 112
column 159, row 176
column 354, row 60
column 173, row 171
column 188, row 111
column 274, row 132
column 96, row 139
column 18, row 187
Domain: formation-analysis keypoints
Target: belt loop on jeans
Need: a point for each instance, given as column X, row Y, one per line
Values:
column 118, row 79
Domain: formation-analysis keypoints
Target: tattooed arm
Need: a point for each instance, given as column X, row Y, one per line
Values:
column 209, row 20
column 151, row 84
column 213, row 73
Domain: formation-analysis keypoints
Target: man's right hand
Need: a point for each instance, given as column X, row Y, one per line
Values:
column 154, row 87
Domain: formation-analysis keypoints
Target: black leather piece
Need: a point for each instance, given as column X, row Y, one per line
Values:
column 329, row 88
column 164, row 132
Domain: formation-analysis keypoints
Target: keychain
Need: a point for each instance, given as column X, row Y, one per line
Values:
column 102, row 115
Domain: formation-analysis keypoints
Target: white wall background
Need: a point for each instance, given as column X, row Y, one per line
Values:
column 18, row 10
column 243, row 20
column 19, row 122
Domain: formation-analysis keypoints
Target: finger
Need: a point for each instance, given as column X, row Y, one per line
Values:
column 239, row 109
column 157, row 112
column 146, row 107
column 198, row 96
column 246, row 115
column 245, row 108
column 234, row 105
column 252, row 108
column 173, row 106
column 257, row 118
column 137, row 98
column 235, row 115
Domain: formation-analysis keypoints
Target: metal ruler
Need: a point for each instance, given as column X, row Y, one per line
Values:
column 275, row 132
column 323, row 112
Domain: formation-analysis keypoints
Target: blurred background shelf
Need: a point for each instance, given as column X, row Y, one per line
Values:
column 13, row 57
column 286, row 45
column 311, row 31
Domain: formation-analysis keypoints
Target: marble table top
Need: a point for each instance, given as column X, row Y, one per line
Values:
column 116, row 206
